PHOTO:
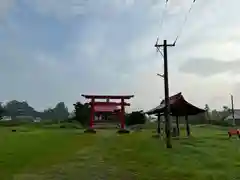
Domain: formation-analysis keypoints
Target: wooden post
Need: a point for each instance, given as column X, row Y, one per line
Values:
column 177, row 123
column 158, row 125
column 187, row 126
column 119, row 115
column 92, row 114
column 106, row 114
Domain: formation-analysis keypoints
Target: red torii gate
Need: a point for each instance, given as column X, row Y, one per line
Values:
column 98, row 106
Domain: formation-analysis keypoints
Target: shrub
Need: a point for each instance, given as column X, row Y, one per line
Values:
column 221, row 123
column 136, row 117
column 82, row 113
column 11, row 123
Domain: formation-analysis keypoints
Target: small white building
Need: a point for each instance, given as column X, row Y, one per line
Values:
column 37, row 120
column 6, row 118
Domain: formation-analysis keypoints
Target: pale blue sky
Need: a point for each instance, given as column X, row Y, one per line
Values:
column 55, row 50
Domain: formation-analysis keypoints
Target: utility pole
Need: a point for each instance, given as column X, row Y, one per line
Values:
column 232, row 110
column 159, row 115
column 166, row 90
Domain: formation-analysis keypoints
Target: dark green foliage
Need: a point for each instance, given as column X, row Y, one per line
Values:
column 196, row 119
column 16, row 108
column 220, row 115
column 225, row 112
column 221, row 123
column 12, row 123
column 136, row 117
column 59, row 113
column 209, row 117
column 62, row 125
column 82, row 113
column 1, row 111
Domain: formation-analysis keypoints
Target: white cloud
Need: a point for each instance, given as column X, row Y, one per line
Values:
column 113, row 52
column 149, row 90
column 5, row 7
column 61, row 9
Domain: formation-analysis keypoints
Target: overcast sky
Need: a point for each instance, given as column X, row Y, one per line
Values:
column 55, row 50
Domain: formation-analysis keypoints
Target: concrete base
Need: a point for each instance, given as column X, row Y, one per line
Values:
column 90, row 131
column 123, row 131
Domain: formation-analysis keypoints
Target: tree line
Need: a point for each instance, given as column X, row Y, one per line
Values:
column 81, row 113
column 212, row 116
column 16, row 109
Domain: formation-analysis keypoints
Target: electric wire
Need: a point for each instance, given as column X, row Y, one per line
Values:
column 163, row 15
column 184, row 22
column 161, row 24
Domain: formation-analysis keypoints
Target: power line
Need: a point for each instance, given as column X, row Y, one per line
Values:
column 184, row 22
column 160, row 27
column 163, row 14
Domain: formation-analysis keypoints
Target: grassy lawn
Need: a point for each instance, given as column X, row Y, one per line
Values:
column 60, row 154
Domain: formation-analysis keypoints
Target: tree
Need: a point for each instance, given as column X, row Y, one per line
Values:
column 226, row 112
column 207, row 109
column 136, row 117
column 47, row 114
column 226, row 109
column 15, row 108
column 1, row 111
column 82, row 113
column 60, row 112
column 215, row 115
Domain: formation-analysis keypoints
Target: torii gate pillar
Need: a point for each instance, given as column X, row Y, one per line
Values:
column 122, row 119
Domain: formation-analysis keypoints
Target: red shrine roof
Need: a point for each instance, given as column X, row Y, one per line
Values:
column 102, row 108
column 178, row 107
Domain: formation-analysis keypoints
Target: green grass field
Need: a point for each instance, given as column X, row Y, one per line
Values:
column 68, row 154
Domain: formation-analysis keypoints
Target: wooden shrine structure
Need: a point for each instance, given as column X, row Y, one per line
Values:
column 97, row 104
column 178, row 107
